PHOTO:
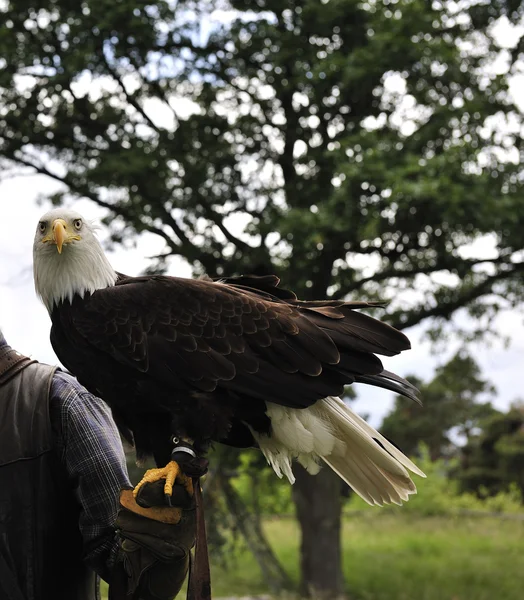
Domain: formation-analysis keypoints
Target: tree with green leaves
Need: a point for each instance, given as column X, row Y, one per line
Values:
column 357, row 148
column 454, row 403
column 493, row 459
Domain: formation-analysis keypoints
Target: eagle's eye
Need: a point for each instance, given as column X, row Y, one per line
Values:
column 42, row 226
column 77, row 223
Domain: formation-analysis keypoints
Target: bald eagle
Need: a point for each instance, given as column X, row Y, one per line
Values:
column 238, row 361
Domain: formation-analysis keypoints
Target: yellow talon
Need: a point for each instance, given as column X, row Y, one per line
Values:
column 171, row 473
column 171, row 476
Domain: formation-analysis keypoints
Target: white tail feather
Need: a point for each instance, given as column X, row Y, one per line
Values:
column 331, row 431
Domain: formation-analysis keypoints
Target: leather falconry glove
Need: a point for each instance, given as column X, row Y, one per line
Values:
column 155, row 542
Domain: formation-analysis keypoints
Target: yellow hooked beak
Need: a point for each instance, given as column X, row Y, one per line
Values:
column 60, row 235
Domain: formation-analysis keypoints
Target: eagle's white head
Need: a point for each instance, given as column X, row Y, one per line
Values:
column 68, row 258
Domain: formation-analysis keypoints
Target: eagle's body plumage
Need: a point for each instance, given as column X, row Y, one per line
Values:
column 238, row 361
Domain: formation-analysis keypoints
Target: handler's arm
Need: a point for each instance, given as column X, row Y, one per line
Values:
column 91, row 450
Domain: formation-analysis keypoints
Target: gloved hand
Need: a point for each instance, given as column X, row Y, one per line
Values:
column 155, row 542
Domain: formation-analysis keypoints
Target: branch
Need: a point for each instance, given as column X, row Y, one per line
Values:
column 377, row 277
column 161, row 94
column 219, row 222
column 409, row 274
column 156, row 86
column 130, row 97
column 402, row 320
column 168, row 219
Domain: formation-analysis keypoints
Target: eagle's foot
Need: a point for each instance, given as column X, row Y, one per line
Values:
column 171, row 473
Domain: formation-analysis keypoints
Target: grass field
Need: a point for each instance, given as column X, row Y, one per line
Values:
column 390, row 557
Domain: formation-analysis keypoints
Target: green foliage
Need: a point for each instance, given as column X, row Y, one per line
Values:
column 493, row 460
column 259, row 488
column 451, row 401
column 438, row 495
column 490, row 459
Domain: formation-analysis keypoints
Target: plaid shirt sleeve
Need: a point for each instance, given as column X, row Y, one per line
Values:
column 91, row 451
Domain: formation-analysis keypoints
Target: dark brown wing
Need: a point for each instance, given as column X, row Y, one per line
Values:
column 357, row 332
column 211, row 334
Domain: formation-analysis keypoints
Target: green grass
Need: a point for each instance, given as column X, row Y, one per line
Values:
column 392, row 557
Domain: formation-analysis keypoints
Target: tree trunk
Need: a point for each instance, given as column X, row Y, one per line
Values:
column 318, row 504
column 273, row 572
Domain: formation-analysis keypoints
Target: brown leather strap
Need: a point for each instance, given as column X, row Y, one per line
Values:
column 11, row 363
column 199, row 585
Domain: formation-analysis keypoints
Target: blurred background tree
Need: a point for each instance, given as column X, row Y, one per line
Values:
column 355, row 148
column 479, row 446
column 452, row 407
column 493, row 459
